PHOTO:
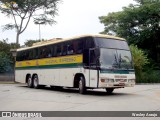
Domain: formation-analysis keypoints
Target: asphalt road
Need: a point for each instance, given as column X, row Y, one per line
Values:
column 17, row 97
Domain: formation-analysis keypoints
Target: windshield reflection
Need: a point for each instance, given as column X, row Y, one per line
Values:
column 115, row 59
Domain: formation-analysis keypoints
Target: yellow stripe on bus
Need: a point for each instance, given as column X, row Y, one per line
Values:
column 51, row 61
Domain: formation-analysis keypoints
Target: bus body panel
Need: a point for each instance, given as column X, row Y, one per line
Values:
column 93, row 78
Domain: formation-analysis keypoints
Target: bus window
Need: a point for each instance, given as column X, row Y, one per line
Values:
column 65, row 49
column 48, row 52
column 80, row 46
column 43, row 52
column 89, row 43
column 54, row 50
column 75, row 44
column 70, row 50
column 31, row 54
column 35, row 53
column 26, row 57
column 19, row 56
column 59, row 50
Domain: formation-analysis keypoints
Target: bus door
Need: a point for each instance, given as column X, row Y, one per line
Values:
column 93, row 71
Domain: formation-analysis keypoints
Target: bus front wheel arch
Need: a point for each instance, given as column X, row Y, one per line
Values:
column 79, row 82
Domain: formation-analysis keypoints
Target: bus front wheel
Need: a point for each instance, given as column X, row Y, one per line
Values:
column 109, row 90
column 35, row 82
column 82, row 88
column 29, row 82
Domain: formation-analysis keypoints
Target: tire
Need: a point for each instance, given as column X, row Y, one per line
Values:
column 82, row 87
column 29, row 82
column 109, row 90
column 35, row 82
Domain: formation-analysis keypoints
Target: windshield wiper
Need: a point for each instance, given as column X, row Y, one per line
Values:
column 120, row 60
column 115, row 64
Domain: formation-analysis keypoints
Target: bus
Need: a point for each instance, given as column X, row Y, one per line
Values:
column 83, row 62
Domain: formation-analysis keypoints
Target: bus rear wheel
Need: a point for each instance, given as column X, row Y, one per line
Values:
column 29, row 82
column 109, row 90
column 82, row 87
column 35, row 82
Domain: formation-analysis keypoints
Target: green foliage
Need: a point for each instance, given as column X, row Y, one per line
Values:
column 150, row 76
column 29, row 43
column 139, row 60
column 6, row 59
column 6, row 63
column 139, row 24
column 139, row 57
column 5, row 47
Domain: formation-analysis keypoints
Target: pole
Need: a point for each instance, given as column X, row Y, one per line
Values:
column 39, row 32
column 14, row 73
column 14, row 54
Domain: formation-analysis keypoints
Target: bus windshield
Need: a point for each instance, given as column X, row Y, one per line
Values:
column 115, row 59
column 114, row 54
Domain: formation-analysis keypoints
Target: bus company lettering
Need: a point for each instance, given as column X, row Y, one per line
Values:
column 28, row 63
column 19, row 64
column 54, row 61
column 67, row 60
column 120, row 76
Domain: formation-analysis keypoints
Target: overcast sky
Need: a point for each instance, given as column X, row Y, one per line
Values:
column 76, row 17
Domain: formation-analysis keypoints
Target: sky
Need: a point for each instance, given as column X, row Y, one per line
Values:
column 75, row 17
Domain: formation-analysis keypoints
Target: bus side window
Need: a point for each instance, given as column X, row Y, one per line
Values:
column 35, row 53
column 20, row 56
column 59, row 50
column 65, row 49
column 89, row 43
column 26, row 55
column 80, row 46
column 70, row 50
column 54, row 50
column 42, row 52
column 75, row 44
column 49, row 53
column 31, row 54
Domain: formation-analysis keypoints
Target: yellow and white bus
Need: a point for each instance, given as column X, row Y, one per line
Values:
column 84, row 62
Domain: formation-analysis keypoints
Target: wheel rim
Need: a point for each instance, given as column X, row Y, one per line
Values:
column 80, row 85
column 35, row 82
column 29, row 81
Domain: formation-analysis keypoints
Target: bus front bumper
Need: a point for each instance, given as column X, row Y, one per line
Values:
column 112, row 82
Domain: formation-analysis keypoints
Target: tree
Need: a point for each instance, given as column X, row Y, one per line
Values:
column 6, row 59
column 139, row 60
column 139, row 24
column 6, row 63
column 42, row 11
column 29, row 43
column 5, row 47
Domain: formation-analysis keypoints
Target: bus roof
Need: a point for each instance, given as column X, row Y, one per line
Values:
column 53, row 41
